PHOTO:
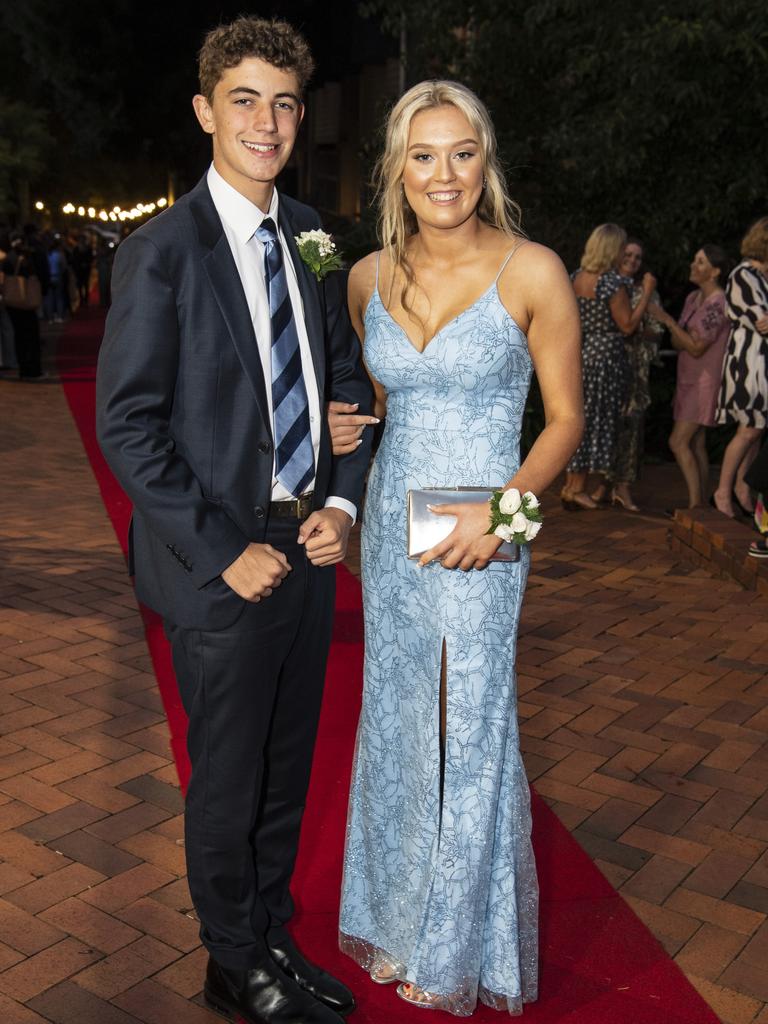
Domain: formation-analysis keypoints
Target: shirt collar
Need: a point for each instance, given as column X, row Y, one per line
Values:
column 240, row 215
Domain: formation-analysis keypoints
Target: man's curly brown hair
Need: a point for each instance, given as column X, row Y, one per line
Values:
column 267, row 39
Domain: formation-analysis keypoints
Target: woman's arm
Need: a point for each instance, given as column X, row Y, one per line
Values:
column 554, row 342
column 345, row 425
column 692, row 342
column 626, row 318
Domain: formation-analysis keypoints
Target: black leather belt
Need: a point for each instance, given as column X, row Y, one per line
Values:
column 293, row 508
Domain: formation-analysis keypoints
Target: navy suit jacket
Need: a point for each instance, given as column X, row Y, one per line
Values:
column 182, row 414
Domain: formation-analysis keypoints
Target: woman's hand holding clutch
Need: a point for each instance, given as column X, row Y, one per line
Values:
column 468, row 546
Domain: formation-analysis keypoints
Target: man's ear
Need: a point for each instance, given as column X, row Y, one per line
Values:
column 302, row 111
column 204, row 114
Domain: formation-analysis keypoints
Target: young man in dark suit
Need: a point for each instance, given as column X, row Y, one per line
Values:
column 220, row 353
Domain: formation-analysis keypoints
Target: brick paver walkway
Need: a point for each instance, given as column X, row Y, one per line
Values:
column 644, row 694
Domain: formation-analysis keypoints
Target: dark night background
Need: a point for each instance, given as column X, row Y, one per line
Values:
column 653, row 115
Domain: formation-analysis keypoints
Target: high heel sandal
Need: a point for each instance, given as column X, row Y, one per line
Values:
column 428, row 1002
column 383, row 972
column 713, row 503
column 628, row 506
column 577, row 502
column 742, row 508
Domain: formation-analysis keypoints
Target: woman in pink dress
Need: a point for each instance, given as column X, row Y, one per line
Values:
column 700, row 336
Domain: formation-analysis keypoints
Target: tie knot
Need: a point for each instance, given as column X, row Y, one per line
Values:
column 267, row 232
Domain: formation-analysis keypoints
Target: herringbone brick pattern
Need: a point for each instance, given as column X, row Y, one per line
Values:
column 643, row 699
column 96, row 922
column 643, row 684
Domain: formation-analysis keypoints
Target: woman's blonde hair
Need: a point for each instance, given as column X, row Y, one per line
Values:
column 397, row 221
column 604, row 248
column 754, row 245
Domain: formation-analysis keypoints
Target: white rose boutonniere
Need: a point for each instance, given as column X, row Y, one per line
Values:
column 515, row 517
column 318, row 250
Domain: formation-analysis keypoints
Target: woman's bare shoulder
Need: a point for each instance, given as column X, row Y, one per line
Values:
column 533, row 269
column 362, row 275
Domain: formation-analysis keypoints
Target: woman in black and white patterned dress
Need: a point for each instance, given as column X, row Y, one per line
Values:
column 607, row 318
column 744, row 390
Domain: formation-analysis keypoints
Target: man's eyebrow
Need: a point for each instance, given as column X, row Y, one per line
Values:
column 428, row 145
column 255, row 92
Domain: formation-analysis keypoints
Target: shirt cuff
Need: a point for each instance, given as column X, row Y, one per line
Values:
column 344, row 505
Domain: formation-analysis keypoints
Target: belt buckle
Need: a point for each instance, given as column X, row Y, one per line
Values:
column 303, row 506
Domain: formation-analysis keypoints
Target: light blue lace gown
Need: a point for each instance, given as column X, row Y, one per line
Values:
column 443, row 888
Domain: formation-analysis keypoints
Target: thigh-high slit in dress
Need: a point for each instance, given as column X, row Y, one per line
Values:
column 439, row 876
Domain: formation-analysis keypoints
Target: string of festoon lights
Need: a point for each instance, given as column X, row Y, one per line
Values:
column 115, row 214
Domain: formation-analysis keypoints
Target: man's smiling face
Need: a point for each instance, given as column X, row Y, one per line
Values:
column 254, row 117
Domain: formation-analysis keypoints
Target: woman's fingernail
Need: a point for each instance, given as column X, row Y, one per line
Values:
column 358, row 443
column 431, row 508
column 374, row 420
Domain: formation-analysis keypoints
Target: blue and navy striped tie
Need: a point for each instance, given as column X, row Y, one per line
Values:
column 294, row 455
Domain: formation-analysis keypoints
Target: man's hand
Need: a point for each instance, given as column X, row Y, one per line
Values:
column 346, row 426
column 325, row 534
column 257, row 572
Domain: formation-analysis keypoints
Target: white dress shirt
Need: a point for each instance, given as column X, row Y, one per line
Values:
column 241, row 218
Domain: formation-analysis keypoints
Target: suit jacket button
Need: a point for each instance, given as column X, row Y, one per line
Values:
column 263, row 447
column 258, row 511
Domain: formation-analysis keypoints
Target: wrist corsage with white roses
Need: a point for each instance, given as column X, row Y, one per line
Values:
column 515, row 517
column 318, row 250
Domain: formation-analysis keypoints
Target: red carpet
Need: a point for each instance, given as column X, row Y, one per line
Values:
column 599, row 963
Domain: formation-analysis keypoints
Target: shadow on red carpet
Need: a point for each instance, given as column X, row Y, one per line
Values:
column 599, row 963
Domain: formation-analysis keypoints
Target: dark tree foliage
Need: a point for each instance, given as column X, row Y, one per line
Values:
column 651, row 115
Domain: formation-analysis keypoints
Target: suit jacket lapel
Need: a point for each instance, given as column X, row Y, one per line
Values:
column 225, row 281
column 313, row 314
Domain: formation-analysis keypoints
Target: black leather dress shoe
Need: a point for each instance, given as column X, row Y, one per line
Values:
column 310, row 977
column 262, row 995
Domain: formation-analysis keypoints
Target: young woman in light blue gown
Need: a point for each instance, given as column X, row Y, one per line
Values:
column 440, row 888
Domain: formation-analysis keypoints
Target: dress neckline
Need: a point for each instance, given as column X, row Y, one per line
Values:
column 440, row 330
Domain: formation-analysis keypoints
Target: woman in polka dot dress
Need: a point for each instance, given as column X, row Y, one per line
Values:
column 607, row 317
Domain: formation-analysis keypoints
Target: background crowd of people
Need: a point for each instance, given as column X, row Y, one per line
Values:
column 721, row 336
column 46, row 277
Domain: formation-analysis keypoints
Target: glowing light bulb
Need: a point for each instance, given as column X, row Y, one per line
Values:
column 91, row 211
column 103, row 215
column 113, row 215
column 39, row 205
column 81, row 211
column 162, row 202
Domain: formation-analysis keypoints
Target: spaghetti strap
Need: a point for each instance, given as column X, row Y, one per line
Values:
column 378, row 258
column 508, row 257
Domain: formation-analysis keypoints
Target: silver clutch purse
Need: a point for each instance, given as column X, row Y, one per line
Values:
column 426, row 529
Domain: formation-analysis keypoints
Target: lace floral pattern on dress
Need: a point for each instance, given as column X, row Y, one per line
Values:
column 439, row 877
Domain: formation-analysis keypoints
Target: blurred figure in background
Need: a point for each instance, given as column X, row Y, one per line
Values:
column 744, row 390
column 607, row 318
column 56, row 298
column 105, row 255
column 7, row 347
column 19, row 265
column 700, row 336
column 640, row 349
column 82, row 261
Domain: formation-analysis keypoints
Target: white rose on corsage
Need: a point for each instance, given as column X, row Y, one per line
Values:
column 531, row 529
column 318, row 251
column 510, row 501
column 515, row 518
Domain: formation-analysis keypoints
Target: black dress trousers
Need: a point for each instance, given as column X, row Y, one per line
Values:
column 252, row 693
